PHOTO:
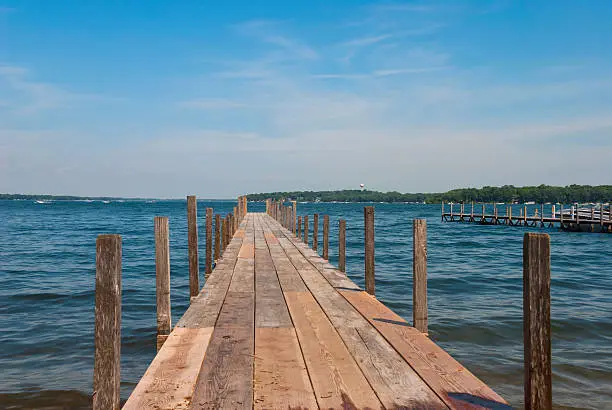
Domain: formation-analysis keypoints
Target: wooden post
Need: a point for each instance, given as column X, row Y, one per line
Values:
column 315, row 232
column 419, row 274
column 326, row 237
column 107, row 332
column 192, row 240
column 342, row 246
column 536, row 321
column 299, row 232
column 217, row 236
column 209, row 241
column 368, row 217
column 306, row 227
column 162, row 278
column 224, row 234
column 235, row 220
column 294, row 204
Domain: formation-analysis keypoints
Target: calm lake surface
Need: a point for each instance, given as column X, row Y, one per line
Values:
column 47, row 272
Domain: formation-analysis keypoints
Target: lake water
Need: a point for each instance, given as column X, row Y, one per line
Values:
column 47, row 272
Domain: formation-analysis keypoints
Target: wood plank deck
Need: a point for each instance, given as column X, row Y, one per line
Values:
column 278, row 327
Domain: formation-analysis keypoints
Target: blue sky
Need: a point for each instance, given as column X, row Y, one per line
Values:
column 164, row 99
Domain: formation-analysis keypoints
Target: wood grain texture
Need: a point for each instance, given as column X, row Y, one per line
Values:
column 306, row 227
column 453, row 383
column 336, row 378
column 419, row 274
column 192, row 243
column 299, row 227
column 394, row 381
column 107, row 329
column 281, row 380
column 315, row 232
column 368, row 218
column 170, row 379
column 536, row 321
column 162, row 276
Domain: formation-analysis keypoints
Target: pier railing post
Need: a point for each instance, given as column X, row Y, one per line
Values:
column 368, row 216
column 294, row 206
column 299, row 227
column 326, row 237
column 224, row 234
column 192, row 243
column 162, row 278
column 536, row 321
column 306, row 227
column 209, row 240
column 107, row 332
column 419, row 274
column 315, row 232
column 217, row 236
column 342, row 245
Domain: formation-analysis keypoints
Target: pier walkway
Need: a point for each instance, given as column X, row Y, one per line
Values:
column 278, row 327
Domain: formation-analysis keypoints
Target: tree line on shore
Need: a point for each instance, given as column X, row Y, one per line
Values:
column 506, row 193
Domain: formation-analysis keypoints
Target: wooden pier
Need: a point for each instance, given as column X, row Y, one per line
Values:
column 571, row 218
column 276, row 326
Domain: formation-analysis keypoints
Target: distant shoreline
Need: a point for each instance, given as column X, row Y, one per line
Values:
column 503, row 194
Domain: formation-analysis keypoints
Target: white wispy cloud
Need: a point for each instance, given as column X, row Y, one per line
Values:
column 366, row 41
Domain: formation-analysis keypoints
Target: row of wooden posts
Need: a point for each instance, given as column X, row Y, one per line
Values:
column 107, row 332
column 536, row 287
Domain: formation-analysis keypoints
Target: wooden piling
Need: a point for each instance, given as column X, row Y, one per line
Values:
column 326, row 237
column 419, row 274
column 224, row 234
column 192, row 240
column 107, row 331
column 536, row 321
column 209, row 241
column 294, row 205
column 342, row 245
column 368, row 217
column 217, row 236
column 162, row 278
column 306, row 227
column 315, row 232
column 299, row 227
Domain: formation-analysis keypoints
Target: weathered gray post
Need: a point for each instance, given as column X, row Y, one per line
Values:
column 419, row 271
column 192, row 239
column 209, row 241
column 162, row 278
column 217, row 236
column 315, row 232
column 536, row 321
column 107, row 332
column 299, row 227
column 306, row 228
column 326, row 237
column 368, row 217
column 342, row 246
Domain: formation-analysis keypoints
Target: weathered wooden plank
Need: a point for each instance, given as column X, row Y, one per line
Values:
column 170, row 379
column 337, row 380
column 271, row 310
column 281, row 380
column 452, row 382
column 394, row 381
column 226, row 377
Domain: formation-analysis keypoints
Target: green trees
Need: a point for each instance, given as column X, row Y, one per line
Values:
column 506, row 193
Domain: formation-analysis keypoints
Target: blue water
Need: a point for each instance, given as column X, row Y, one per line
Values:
column 47, row 271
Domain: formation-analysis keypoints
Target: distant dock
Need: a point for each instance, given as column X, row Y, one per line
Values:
column 574, row 218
